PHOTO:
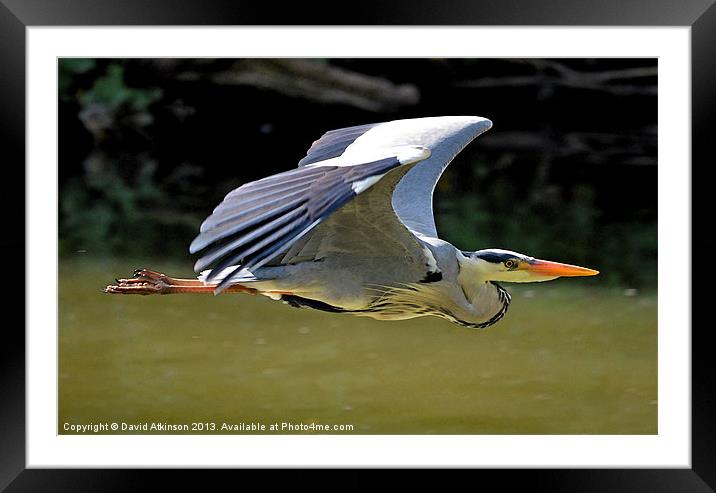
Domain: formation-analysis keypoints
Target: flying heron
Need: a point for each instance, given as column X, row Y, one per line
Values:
column 351, row 230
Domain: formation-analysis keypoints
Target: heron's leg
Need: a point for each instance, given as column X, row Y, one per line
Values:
column 146, row 282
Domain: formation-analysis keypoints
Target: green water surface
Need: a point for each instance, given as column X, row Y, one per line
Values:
column 568, row 358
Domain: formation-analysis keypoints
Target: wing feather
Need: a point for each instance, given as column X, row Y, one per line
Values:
column 333, row 143
column 260, row 219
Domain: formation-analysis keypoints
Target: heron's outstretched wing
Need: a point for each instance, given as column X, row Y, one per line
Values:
column 412, row 199
column 277, row 219
column 259, row 220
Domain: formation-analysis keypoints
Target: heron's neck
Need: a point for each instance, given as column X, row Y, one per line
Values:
column 473, row 278
column 487, row 300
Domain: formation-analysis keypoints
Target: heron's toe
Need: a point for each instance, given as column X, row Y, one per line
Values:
column 135, row 285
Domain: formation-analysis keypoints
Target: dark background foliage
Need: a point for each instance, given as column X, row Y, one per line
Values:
column 148, row 147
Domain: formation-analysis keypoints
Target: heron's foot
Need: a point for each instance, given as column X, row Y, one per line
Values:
column 143, row 282
column 145, row 275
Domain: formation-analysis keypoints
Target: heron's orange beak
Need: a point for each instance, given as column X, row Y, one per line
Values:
column 555, row 269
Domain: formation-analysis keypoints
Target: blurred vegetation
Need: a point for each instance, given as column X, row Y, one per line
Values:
column 148, row 147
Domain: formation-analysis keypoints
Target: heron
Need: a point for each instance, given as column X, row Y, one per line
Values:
column 351, row 230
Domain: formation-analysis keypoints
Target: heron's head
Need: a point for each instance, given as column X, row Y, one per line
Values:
column 507, row 266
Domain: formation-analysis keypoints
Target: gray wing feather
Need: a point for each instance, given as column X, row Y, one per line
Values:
column 259, row 220
column 333, row 143
column 365, row 227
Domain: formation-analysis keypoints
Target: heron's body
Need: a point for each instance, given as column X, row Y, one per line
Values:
column 387, row 288
column 352, row 231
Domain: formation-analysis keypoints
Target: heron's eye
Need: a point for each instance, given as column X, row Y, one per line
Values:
column 511, row 264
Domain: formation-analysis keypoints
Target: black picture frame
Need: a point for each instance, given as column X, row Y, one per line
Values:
column 17, row 15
